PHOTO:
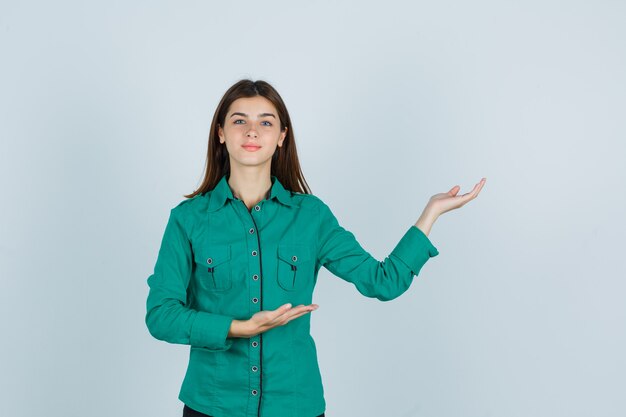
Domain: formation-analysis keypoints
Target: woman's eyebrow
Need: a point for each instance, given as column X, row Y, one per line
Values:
column 245, row 115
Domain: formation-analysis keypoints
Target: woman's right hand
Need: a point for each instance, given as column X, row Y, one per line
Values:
column 267, row 319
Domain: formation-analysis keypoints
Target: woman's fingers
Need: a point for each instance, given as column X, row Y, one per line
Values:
column 454, row 190
column 295, row 316
column 304, row 311
column 476, row 189
column 268, row 319
column 444, row 202
column 300, row 310
column 294, row 312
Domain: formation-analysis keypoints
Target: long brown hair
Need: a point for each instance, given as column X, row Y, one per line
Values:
column 285, row 165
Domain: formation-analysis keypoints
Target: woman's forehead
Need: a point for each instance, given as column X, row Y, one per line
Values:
column 255, row 105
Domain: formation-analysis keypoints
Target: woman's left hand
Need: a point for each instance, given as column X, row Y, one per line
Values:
column 444, row 202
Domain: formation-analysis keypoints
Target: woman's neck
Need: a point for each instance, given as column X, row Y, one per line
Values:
column 250, row 188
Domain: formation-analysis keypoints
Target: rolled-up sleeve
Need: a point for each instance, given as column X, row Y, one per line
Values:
column 168, row 318
column 339, row 251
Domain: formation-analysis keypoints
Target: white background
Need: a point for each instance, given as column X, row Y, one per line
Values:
column 105, row 110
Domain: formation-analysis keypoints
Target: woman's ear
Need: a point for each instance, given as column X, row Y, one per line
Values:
column 220, row 133
column 283, row 134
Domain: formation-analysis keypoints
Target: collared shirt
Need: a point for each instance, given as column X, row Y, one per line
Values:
column 219, row 261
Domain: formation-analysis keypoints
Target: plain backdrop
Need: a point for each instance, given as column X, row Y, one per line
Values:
column 105, row 110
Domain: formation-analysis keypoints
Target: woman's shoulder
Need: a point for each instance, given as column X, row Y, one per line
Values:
column 308, row 201
column 195, row 203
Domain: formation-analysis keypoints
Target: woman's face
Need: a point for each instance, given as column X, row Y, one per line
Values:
column 251, row 131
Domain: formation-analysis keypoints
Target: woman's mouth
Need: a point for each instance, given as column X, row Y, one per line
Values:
column 251, row 148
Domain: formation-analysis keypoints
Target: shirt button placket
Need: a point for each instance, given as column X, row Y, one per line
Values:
column 255, row 298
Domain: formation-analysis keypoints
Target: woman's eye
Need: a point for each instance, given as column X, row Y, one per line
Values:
column 241, row 120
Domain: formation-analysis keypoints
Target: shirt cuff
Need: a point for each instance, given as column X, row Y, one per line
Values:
column 414, row 249
column 210, row 331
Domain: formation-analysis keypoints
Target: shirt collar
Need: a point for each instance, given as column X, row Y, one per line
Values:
column 222, row 192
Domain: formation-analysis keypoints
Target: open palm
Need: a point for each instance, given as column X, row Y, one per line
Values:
column 444, row 202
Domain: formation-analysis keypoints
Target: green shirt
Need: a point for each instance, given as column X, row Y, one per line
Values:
column 218, row 262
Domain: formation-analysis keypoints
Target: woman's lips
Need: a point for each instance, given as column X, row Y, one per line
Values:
column 251, row 148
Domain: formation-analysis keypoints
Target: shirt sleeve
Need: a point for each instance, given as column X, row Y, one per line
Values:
column 340, row 253
column 168, row 318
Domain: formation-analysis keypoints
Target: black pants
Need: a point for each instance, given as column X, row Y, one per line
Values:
column 190, row 412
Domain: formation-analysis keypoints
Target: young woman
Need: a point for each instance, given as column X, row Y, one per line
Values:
column 239, row 260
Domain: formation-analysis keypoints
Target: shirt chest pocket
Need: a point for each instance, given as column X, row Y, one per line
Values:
column 294, row 266
column 216, row 273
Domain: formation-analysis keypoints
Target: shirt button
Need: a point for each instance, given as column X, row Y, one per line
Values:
column 255, row 277
column 254, row 392
column 251, row 230
column 255, row 300
column 257, row 207
column 294, row 258
column 209, row 261
column 253, row 253
column 255, row 344
column 254, row 369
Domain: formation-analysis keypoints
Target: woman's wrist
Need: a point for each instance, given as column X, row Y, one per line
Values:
column 240, row 328
column 426, row 221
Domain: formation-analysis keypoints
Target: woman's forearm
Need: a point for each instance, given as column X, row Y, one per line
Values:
column 426, row 220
